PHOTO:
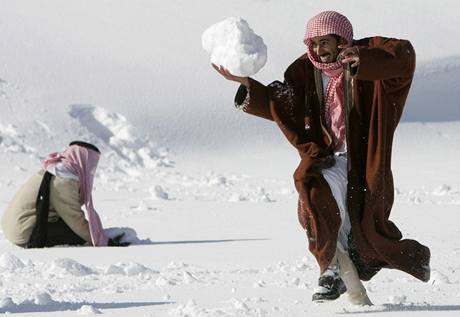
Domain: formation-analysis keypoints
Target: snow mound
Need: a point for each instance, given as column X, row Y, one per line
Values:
column 218, row 180
column 158, row 192
column 263, row 196
column 88, row 310
column 10, row 263
column 66, row 266
column 33, row 303
column 42, row 298
column 234, row 45
column 235, row 197
column 39, row 301
column 13, row 141
column 13, row 99
column 6, row 304
column 117, row 137
column 143, row 206
column 129, row 269
column 442, row 190
column 397, row 299
column 164, row 281
column 130, row 235
column 235, row 308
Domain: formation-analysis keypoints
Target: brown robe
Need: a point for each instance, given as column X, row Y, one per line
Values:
column 374, row 99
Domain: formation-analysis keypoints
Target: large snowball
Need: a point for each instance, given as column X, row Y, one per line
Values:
column 234, row 45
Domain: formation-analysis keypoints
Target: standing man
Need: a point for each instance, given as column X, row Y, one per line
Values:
column 339, row 106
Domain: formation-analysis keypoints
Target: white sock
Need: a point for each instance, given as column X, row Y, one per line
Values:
column 357, row 294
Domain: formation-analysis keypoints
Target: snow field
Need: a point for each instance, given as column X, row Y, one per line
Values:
column 204, row 192
column 200, row 286
column 205, row 267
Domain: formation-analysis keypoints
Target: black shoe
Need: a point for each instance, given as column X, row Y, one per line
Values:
column 330, row 286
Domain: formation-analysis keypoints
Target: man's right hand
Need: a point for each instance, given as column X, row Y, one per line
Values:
column 229, row 76
column 323, row 163
column 116, row 241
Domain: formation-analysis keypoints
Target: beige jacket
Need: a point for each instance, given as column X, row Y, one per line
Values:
column 19, row 218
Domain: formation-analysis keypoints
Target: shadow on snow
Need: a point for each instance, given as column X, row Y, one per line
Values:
column 206, row 241
column 386, row 308
column 63, row 306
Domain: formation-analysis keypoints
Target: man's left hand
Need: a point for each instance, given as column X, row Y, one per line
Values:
column 349, row 54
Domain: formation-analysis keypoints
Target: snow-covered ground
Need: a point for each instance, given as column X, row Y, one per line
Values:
column 204, row 191
column 218, row 236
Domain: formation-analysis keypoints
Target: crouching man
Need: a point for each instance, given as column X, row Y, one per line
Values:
column 46, row 210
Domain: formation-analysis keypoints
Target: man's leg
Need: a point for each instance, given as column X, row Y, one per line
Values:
column 357, row 294
column 330, row 285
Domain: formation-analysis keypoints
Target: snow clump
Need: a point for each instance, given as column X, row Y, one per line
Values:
column 234, row 45
column 397, row 299
column 6, row 304
column 66, row 266
column 10, row 263
column 42, row 298
column 88, row 310
column 129, row 269
column 158, row 192
column 36, row 302
column 263, row 196
column 13, row 140
column 442, row 190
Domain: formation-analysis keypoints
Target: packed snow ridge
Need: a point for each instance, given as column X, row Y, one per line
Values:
column 124, row 150
column 116, row 135
column 234, row 45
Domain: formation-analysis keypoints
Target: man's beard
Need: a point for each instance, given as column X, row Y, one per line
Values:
column 326, row 58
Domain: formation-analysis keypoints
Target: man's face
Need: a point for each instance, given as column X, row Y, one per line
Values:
column 326, row 47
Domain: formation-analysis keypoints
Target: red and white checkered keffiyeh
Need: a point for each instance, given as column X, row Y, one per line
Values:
column 329, row 22
column 325, row 23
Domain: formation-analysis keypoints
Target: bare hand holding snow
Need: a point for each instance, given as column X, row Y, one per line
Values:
column 234, row 45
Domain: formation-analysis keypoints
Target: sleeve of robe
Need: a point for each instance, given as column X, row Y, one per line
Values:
column 390, row 63
column 386, row 58
column 284, row 103
column 254, row 100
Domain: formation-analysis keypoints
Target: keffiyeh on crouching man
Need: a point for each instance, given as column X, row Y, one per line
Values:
column 342, row 119
column 81, row 159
